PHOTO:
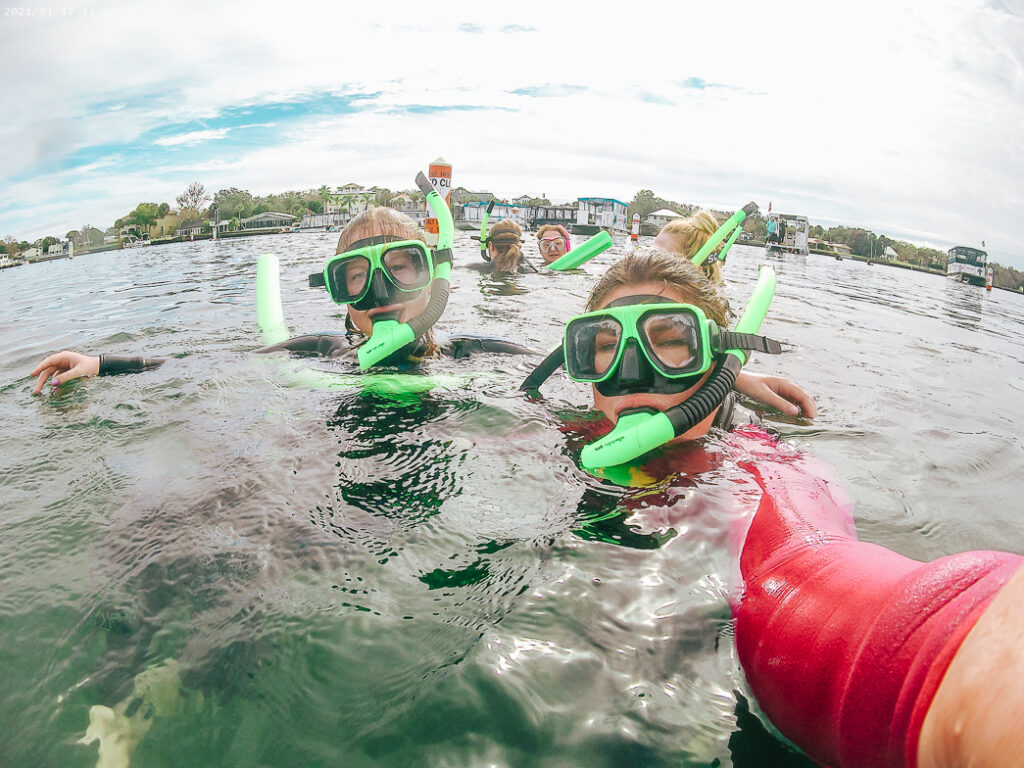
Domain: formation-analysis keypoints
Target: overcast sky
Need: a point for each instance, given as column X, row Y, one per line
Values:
column 903, row 117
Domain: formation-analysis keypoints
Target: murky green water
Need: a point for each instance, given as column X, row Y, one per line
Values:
column 339, row 578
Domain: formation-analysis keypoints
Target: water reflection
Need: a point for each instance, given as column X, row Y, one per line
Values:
column 963, row 304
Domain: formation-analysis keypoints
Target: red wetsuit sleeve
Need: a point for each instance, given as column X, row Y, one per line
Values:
column 844, row 643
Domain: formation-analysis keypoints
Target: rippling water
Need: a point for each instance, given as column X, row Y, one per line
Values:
column 288, row 577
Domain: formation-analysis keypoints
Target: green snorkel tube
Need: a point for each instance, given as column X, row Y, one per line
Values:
column 638, row 433
column 389, row 336
column 599, row 243
column 483, row 231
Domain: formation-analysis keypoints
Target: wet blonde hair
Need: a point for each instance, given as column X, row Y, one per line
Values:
column 508, row 251
column 656, row 265
column 378, row 221
column 690, row 235
column 383, row 221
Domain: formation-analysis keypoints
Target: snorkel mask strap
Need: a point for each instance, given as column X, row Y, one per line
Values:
column 389, row 336
column 641, row 433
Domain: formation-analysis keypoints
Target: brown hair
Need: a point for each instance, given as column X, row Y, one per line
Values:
column 505, row 236
column 378, row 221
column 691, row 234
column 656, row 265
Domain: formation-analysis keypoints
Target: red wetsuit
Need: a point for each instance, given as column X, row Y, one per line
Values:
column 844, row 643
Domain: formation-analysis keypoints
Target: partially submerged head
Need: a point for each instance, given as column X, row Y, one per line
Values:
column 553, row 242
column 504, row 246
column 686, row 236
column 652, row 271
column 372, row 223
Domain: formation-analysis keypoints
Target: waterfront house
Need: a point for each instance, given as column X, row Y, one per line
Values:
column 349, row 200
column 189, row 228
column 268, row 220
column 661, row 217
column 594, row 213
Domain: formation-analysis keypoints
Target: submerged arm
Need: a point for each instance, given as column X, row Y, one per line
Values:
column 323, row 344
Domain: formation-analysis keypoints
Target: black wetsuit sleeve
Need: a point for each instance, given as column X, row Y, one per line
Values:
column 111, row 365
column 323, row 344
column 465, row 345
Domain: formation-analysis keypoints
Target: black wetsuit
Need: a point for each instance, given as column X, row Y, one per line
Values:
column 333, row 345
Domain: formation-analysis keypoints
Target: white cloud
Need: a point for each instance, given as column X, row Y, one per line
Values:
column 892, row 115
column 191, row 138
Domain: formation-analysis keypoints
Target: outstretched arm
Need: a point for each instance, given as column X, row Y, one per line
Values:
column 66, row 366
column 778, row 392
column 846, row 644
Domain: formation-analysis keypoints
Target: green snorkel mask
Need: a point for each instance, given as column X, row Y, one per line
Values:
column 386, row 266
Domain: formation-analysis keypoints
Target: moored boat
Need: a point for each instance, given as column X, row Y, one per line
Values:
column 966, row 264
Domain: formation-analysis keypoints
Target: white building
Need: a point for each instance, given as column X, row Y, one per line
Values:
column 662, row 217
column 601, row 213
column 474, row 212
column 348, row 201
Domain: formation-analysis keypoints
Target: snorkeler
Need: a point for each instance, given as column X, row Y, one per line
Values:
column 860, row 656
column 653, row 338
column 553, row 242
column 504, row 248
column 686, row 236
column 394, row 287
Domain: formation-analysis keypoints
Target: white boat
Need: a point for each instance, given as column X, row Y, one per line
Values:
column 789, row 234
column 135, row 242
column 6, row 261
column 967, row 265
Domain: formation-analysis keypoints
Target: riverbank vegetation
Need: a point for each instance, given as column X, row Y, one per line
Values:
column 157, row 220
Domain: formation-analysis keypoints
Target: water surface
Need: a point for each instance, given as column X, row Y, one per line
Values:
column 290, row 577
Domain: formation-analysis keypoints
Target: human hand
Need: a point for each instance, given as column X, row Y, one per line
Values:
column 778, row 392
column 64, row 366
